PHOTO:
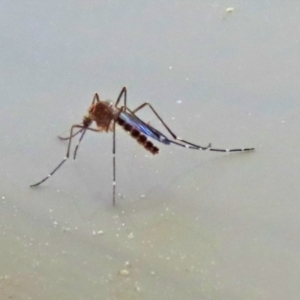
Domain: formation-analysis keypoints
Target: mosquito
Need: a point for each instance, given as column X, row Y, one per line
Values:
column 106, row 115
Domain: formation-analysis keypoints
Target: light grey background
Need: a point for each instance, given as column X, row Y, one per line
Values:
column 188, row 224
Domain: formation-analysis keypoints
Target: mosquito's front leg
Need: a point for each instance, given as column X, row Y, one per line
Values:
column 83, row 133
column 68, row 151
column 64, row 159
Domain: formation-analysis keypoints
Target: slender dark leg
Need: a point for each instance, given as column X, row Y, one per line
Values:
column 123, row 91
column 114, row 163
column 69, row 137
column 83, row 133
column 96, row 98
column 114, row 156
column 175, row 137
column 67, row 154
column 83, row 130
column 188, row 144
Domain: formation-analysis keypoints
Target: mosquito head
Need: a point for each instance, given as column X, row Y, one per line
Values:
column 87, row 121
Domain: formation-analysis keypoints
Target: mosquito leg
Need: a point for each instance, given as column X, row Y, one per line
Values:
column 68, row 137
column 114, row 164
column 82, row 135
column 175, row 137
column 188, row 144
column 114, row 156
column 64, row 159
column 123, row 91
column 62, row 162
column 232, row 150
column 96, row 98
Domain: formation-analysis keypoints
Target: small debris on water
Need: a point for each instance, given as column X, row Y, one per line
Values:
column 127, row 263
column 3, row 197
column 99, row 232
column 130, row 235
column 142, row 196
column 5, row 277
column 137, row 287
column 170, row 67
column 179, row 101
column 229, row 10
column 124, row 272
column 66, row 229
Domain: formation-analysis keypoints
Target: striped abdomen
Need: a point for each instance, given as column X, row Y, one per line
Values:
column 141, row 138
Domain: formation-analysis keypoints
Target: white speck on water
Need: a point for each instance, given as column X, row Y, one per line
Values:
column 152, row 273
column 66, row 229
column 130, row 235
column 137, row 287
column 179, row 101
column 127, row 263
column 3, row 197
column 124, row 272
column 142, row 196
column 170, row 67
column 229, row 9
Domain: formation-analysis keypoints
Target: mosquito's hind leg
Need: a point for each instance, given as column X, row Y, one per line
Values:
column 231, row 150
column 188, row 144
column 175, row 137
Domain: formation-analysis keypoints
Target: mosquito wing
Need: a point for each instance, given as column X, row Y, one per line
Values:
column 141, row 126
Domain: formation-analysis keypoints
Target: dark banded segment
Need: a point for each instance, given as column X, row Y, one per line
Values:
column 140, row 137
